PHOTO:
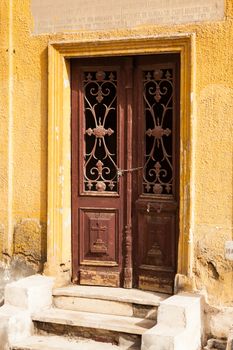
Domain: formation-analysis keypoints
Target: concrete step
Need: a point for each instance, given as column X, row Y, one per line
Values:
column 60, row 343
column 107, row 300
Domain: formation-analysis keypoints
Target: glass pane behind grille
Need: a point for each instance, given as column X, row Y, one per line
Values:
column 158, row 114
column 100, row 108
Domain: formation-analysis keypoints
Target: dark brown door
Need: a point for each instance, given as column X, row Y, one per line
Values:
column 125, row 171
column 156, row 200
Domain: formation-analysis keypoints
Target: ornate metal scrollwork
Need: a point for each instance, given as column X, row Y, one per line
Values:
column 100, row 107
column 158, row 111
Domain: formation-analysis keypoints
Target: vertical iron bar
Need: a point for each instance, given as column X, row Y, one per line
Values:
column 128, row 271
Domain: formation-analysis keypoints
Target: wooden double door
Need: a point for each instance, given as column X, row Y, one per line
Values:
column 125, row 171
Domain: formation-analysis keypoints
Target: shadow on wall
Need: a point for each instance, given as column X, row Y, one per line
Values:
column 12, row 270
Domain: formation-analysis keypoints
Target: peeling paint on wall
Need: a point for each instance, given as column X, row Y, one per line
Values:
column 1, row 237
column 30, row 240
column 212, row 271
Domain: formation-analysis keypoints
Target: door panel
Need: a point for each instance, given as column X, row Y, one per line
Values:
column 100, row 229
column 156, row 263
column 97, row 153
column 125, row 171
column 157, row 150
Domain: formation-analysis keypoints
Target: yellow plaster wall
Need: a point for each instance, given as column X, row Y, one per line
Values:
column 4, row 120
column 23, row 133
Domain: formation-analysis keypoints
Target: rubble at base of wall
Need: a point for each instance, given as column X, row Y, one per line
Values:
column 216, row 344
column 230, row 339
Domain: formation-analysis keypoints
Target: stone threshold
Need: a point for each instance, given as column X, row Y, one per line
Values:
column 134, row 296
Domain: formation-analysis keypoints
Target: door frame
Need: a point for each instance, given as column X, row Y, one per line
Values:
column 59, row 260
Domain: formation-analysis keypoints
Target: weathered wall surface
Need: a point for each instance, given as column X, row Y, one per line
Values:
column 100, row 15
column 23, row 135
column 23, row 151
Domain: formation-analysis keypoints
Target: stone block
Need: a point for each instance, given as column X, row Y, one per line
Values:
column 160, row 337
column 221, row 323
column 31, row 293
column 179, row 323
column 15, row 325
column 180, row 311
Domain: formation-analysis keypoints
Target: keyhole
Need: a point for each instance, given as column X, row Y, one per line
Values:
column 159, row 209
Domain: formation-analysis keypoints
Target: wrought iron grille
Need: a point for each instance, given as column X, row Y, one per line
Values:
column 158, row 112
column 100, row 109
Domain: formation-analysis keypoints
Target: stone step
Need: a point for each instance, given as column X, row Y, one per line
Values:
column 124, row 324
column 107, row 300
column 135, row 296
column 123, row 331
column 60, row 343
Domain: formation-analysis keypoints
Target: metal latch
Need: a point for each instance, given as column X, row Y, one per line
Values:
column 120, row 172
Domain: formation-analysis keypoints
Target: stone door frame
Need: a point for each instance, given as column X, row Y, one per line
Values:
column 59, row 137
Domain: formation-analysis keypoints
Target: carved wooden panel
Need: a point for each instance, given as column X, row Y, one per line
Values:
column 98, row 244
column 157, row 248
column 157, row 225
